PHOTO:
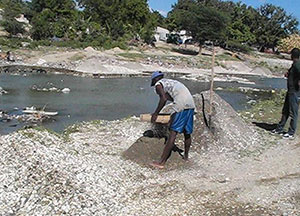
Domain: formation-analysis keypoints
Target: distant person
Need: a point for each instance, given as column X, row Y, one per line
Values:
column 182, row 117
column 291, row 103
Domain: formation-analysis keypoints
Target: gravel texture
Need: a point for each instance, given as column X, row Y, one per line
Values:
column 84, row 171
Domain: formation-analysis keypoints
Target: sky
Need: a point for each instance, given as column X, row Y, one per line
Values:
column 290, row 6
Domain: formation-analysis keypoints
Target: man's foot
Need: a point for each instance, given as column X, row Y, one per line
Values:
column 157, row 165
column 276, row 131
column 288, row 136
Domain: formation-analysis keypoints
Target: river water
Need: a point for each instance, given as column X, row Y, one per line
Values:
column 107, row 99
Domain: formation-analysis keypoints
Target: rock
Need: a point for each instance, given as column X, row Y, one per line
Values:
column 53, row 89
column 25, row 44
column 66, row 90
column 22, row 19
column 251, row 102
column 89, row 49
column 41, row 62
column 2, row 91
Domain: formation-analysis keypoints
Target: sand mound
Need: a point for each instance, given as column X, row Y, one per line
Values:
column 146, row 150
column 91, row 65
column 114, row 51
column 228, row 133
column 89, row 49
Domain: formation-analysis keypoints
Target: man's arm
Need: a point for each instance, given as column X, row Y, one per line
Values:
column 162, row 102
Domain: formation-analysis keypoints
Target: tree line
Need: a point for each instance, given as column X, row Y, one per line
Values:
column 100, row 22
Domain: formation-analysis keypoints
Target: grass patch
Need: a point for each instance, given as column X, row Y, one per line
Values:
column 275, row 69
column 77, row 57
column 27, row 134
column 226, row 57
column 266, row 110
column 133, row 56
column 71, row 129
column 8, row 43
column 185, row 51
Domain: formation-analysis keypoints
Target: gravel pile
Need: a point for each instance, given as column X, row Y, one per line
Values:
column 84, row 172
column 228, row 132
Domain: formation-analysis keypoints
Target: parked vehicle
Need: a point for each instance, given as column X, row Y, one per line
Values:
column 174, row 39
column 189, row 41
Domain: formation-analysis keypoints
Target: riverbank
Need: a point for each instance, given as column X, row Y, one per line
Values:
column 137, row 61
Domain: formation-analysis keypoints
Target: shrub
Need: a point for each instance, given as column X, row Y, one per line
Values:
column 12, row 43
column 236, row 46
column 289, row 43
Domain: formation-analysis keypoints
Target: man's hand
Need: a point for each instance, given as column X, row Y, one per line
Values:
column 153, row 118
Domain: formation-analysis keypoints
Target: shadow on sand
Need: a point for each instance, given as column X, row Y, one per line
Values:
column 266, row 126
column 185, row 51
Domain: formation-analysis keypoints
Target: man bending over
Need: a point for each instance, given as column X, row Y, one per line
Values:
column 182, row 115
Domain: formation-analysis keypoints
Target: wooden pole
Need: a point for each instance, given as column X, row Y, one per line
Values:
column 163, row 119
column 212, row 85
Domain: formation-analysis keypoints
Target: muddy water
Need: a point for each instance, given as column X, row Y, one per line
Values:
column 92, row 99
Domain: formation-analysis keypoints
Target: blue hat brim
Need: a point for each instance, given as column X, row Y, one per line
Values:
column 152, row 81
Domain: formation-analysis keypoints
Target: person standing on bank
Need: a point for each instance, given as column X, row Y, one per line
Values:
column 183, row 113
column 291, row 103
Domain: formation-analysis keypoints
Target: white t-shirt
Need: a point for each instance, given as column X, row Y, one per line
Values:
column 179, row 92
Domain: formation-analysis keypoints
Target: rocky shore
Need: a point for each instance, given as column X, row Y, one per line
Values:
column 137, row 62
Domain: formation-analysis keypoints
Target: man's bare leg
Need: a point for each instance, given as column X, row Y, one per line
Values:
column 187, row 145
column 168, row 148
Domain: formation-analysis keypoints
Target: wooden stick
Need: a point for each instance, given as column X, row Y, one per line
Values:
column 212, row 85
column 163, row 119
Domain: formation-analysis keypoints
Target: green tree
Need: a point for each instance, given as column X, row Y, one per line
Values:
column 204, row 23
column 54, row 18
column 120, row 19
column 243, row 24
column 159, row 19
column 274, row 24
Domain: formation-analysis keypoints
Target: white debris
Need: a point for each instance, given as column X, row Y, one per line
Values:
column 66, row 90
column 41, row 62
column 2, row 91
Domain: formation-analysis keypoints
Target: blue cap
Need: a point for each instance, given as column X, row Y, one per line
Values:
column 154, row 75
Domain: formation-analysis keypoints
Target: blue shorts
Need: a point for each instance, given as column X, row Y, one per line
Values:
column 182, row 122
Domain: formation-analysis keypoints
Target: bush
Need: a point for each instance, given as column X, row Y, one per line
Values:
column 13, row 27
column 289, row 43
column 35, row 44
column 75, row 44
column 12, row 43
column 236, row 46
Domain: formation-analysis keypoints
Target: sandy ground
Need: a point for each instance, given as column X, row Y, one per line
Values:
column 88, row 175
